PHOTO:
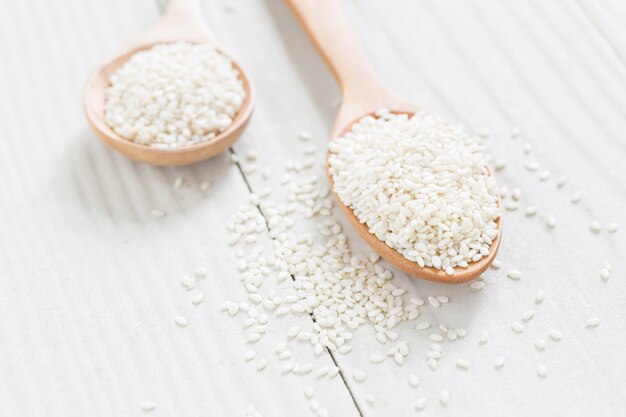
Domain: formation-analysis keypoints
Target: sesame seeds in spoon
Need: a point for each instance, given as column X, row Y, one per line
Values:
column 413, row 186
column 180, row 34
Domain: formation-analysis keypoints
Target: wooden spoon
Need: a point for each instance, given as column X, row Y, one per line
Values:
column 363, row 94
column 182, row 21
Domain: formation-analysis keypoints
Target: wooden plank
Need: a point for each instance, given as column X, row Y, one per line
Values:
column 480, row 66
column 608, row 17
column 91, row 280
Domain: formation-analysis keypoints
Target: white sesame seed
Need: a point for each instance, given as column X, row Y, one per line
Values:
column 560, row 182
column 539, row 297
column 595, row 226
column 158, row 213
column 515, row 132
column 322, row 371
column 181, row 321
column 484, row 338
column 423, row 325
column 500, row 164
column 370, row 399
column 359, row 376
column 496, row 264
column 592, row 323
column 544, row 175
column 205, row 185
column 333, row 372
column 514, row 274
column 284, row 355
column 147, row 405
column 251, row 354
column 531, row 211
column 420, row 404
column 531, row 166
column 516, row 194
column 605, row 274
column 261, row 364
column 377, row 358
column 304, row 135
column 551, row 222
column 461, row 364
column 542, row 371
column 444, row 397
column 178, row 182
column 477, row 285
column 434, row 301
column 308, row 392
column 613, row 227
column 527, row 148
column 511, row 205
column 528, row 315
column 517, row 327
column 197, row 299
column 499, row 362
column 414, row 380
column 540, row 344
column 436, row 337
column 576, row 197
column 253, row 337
column 555, row 335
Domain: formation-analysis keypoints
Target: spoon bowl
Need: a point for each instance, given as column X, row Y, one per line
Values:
column 364, row 94
column 181, row 22
column 461, row 275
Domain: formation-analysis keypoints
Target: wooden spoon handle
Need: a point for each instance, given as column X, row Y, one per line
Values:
column 328, row 27
column 329, row 30
column 181, row 20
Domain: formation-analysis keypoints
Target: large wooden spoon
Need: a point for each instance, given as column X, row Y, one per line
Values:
column 363, row 93
column 182, row 21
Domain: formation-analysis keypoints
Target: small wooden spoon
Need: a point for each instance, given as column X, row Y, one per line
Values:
column 363, row 94
column 182, row 21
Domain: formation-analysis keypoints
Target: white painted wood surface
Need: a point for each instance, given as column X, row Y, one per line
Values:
column 90, row 280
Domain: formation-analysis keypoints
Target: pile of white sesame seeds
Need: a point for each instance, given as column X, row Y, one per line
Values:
column 173, row 95
column 421, row 185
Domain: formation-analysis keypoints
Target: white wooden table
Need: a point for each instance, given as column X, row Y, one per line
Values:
column 90, row 281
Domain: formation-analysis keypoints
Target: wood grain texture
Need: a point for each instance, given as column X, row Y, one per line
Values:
column 89, row 280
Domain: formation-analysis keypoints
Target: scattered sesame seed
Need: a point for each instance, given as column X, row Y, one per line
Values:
column 181, row 321
column 477, row 285
column 560, row 182
column 555, row 335
column 205, row 185
column 539, row 297
column 531, row 166
column 542, row 371
column 158, row 213
column 359, row 376
column 414, row 380
column 576, row 197
column 261, row 364
column 613, row 227
column 531, row 211
column 420, row 404
column 178, row 182
column 496, row 264
column 540, row 344
column 592, row 323
column 484, row 338
column 308, row 392
column 544, row 175
column 551, row 222
column 377, row 358
column 595, row 226
column 461, row 364
column 499, row 362
column 528, row 315
column 250, row 355
column 514, row 274
column 147, row 406
column 197, row 299
column 370, row 399
column 517, row 327
column 444, row 397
